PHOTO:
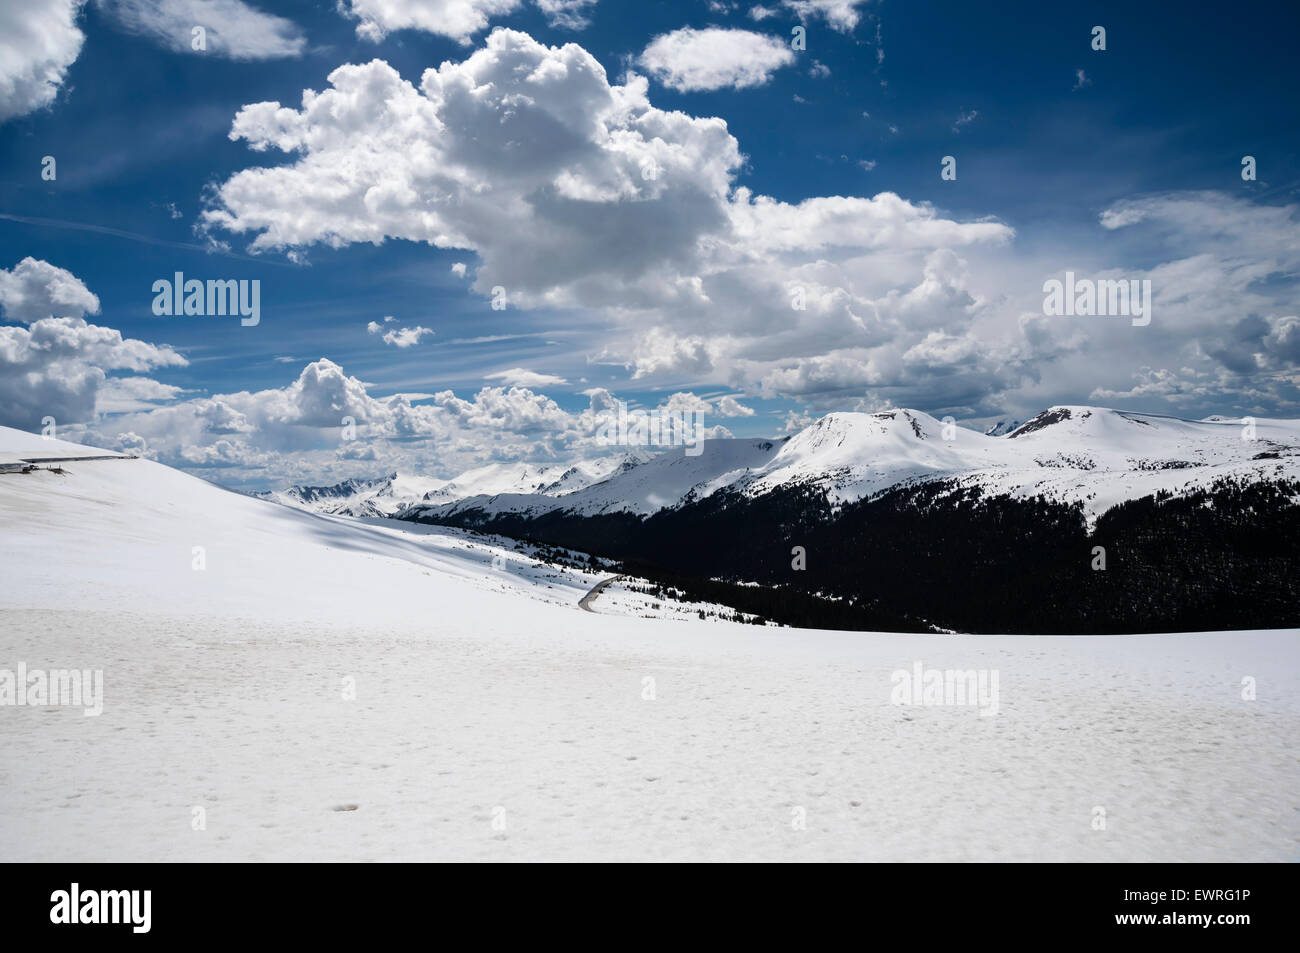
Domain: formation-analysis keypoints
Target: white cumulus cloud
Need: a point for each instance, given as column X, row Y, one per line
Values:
column 35, row 289
column 39, row 40
column 59, row 365
column 399, row 337
column 842, row 15
column 458, row 19
column 688, row 60
column 577, row 193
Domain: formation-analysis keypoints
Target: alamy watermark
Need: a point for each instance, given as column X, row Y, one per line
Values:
column 930, row 687
column 210, row 298
column 1101, row 296
column 127, row 907
column 39, row 688
column 655, row 428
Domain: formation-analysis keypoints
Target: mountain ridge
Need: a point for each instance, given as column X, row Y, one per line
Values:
column 1095, row 456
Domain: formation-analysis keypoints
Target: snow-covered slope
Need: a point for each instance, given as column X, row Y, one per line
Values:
column 338, row 689
column 1089, row 455
column 181, row 544
column 18, row 449
column 253, row 558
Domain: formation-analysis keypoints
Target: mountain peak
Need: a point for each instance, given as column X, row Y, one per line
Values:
column 1078, row 414
column 1001, row 428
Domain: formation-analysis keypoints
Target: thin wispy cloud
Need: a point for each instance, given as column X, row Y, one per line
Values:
column 523, row 377
column 227, row 28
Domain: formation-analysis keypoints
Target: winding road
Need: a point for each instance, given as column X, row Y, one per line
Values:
column 585, row 601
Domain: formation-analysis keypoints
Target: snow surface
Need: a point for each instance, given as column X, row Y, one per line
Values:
column 485, row 694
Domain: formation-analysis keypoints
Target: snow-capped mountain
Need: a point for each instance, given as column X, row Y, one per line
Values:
column 664, row 479
column 382, row 496
column 388, row 495
column 1001, row 428
column 1071, row 454
column 550, row 479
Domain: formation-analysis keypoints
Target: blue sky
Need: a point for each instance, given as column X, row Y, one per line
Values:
column 623, row 287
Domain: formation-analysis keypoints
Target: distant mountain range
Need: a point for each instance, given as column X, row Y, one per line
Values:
column 387, row 495
column 913, row 524
column 1087, row 455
